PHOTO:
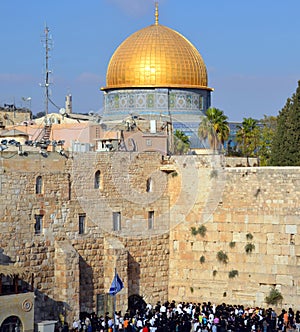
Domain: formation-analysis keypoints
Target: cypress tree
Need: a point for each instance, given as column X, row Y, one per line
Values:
column 286, row 143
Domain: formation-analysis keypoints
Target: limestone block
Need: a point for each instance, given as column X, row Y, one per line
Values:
column 297, row 251
column 273, row 249
column 271, row 219
column 225, row 237
column 291, row 229
column 222, row 227
column 291, row 219
column 284, row 280
column 281, row 260
column 211, row 236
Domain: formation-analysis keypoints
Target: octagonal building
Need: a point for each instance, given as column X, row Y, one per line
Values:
column 157, row 72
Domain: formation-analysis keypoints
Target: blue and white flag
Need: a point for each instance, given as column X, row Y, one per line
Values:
column 116, row 285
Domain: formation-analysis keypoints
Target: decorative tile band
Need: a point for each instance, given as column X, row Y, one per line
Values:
column 149, row 100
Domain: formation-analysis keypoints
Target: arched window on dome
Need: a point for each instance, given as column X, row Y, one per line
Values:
column 39, row 185
column 97, row 180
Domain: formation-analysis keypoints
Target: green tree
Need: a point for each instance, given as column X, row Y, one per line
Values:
column 267, row 131
column 181, row 142
column 247, row 137
column 285, row 148
column 214, row 127
column 38, row 115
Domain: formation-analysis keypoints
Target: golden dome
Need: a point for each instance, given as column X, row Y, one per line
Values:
column 156, row 56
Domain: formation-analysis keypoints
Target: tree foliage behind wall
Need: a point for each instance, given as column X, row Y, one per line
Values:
column 181, row 142
column 267, row 131
column 247, row 137
column 286, row 142
column 214, row 127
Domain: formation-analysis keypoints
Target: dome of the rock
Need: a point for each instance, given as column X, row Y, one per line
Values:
column 156, row 56
column 156, row 74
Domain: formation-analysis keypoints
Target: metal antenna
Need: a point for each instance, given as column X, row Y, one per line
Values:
column 47, row 44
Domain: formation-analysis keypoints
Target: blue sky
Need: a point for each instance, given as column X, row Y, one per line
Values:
column 251, row 48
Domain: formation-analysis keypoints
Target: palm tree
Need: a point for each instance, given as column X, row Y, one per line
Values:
column 181, row 142
column 247, row 137
column 214, row 127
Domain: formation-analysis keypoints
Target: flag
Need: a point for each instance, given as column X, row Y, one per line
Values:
column 116, row 285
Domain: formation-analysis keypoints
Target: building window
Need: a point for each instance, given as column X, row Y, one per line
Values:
column 149, row 185
column 81, row 225
column 38, row 185
column 201, row 103
column 97, row 180
column 116, row 221
column 292, row 238
column 148, row 142
column 69, row 187
column 150, row 219
column 38, row 223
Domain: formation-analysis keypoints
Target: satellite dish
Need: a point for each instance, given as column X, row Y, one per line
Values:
column 62, row 111
column 91, row 113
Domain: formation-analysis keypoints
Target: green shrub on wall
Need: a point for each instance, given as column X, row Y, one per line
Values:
column 274, row 296
column 233, row 273
column 201, row 230
column 194, row 231
column 249, row 247
column 249, row 236
column 222, row 257
column 232, row 244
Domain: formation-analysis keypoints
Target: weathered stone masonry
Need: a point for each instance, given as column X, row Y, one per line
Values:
column 258, row 206
column 71, row 270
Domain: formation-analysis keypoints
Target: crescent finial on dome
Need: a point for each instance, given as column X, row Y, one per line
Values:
column 156, row 13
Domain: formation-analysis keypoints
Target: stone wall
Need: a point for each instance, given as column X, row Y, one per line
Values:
column 241, row 162
column 71, row 269
column 12, row 116
column 158, row 260
column 258, row 210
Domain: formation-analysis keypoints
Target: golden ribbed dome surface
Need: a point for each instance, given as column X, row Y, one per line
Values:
column 156, row 56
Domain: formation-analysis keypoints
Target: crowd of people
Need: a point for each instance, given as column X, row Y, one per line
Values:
column 191, row 317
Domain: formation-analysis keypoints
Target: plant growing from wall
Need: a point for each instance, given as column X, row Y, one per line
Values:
column 233, row 273
column 222, row 257
column 194, row 231
column 202, row 259
column 232, row 244
column 274, row 296
column 213, row 174
column 192, row 289
column 201, row 230
column 249, row 247
column 249, row 236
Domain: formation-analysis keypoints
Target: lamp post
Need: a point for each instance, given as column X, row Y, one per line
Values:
column 28, row 100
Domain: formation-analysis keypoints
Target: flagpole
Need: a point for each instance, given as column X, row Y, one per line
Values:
column 116, row 286
column 114, row 301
